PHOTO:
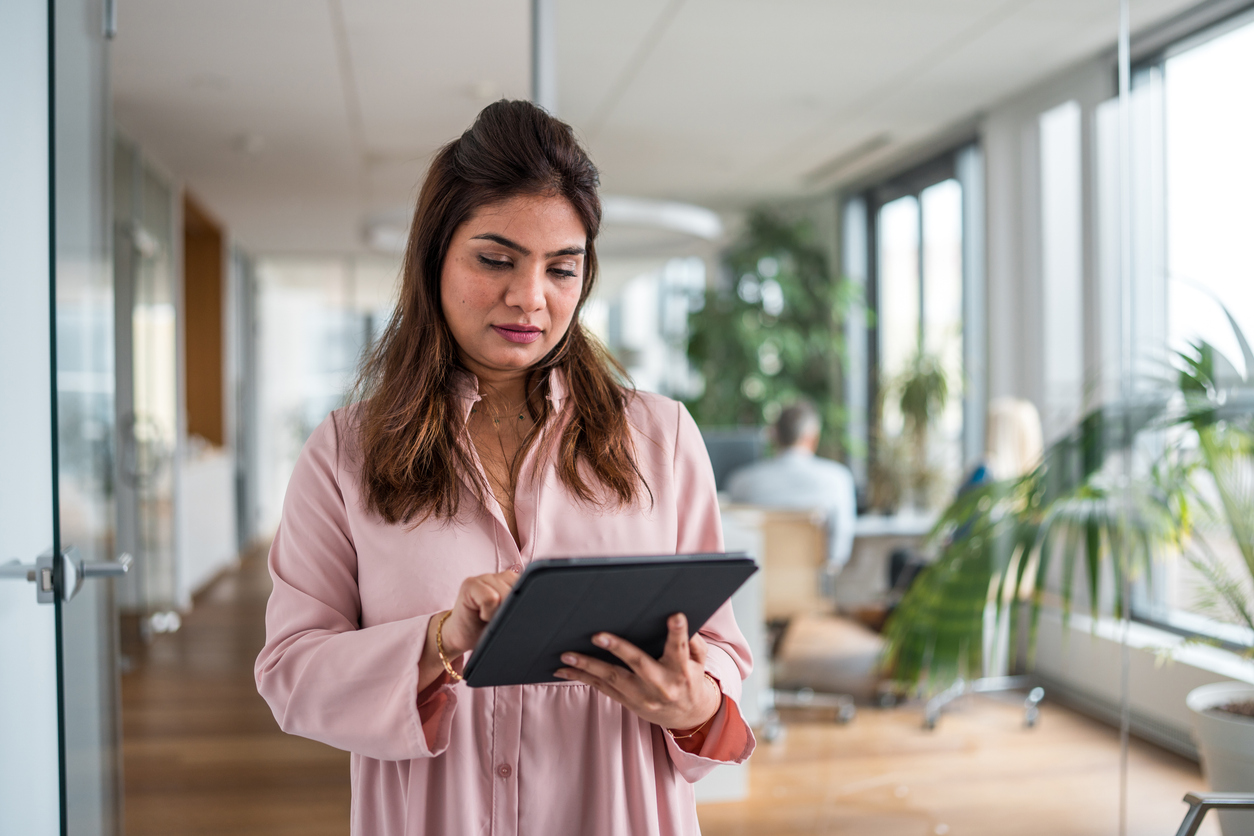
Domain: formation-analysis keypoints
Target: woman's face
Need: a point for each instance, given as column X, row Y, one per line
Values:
column 511, row 281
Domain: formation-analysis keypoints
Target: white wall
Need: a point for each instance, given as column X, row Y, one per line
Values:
column 1083, row 665
column 1016, row 292
column 207, row 538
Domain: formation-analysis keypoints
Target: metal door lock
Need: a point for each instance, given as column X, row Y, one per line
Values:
column 74, row 570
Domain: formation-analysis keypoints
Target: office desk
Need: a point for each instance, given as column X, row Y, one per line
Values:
column 864, row 580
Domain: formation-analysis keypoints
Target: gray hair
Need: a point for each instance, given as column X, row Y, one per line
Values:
column 796, row 421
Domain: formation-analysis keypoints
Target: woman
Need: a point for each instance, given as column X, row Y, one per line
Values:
column 494, row 432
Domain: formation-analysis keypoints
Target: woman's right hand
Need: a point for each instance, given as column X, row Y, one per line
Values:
column 477, row 601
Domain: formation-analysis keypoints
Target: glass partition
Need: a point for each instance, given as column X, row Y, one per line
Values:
column 145, row 264
column 86, row 426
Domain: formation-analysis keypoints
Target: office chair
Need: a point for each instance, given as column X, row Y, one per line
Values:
column 815, row 655
column 1200, row 803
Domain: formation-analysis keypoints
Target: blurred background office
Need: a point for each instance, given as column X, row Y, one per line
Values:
column 900, row 212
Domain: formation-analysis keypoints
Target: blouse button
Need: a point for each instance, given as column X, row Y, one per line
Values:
column 516, row 568
column 504, row 770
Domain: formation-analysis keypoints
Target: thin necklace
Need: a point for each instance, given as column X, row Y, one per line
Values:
column 510, row 462
column 497, row 416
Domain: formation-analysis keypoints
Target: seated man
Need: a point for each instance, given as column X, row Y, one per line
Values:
column 797, row 479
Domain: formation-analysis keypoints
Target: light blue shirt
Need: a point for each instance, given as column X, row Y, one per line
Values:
column 797, row 479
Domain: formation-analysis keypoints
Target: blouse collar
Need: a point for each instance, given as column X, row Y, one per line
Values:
column 466, row 387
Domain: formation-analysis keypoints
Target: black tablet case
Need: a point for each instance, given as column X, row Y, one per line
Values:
column 558, row 605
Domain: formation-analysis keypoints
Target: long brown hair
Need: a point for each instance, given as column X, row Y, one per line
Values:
column 415, row 448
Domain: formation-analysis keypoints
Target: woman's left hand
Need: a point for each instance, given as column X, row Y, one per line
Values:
column 672, row 692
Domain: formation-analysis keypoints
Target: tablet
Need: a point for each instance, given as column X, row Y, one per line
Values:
column 558, row 605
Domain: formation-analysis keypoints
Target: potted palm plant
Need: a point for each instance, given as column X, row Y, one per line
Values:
column 1000, row 542
column 1220, row 421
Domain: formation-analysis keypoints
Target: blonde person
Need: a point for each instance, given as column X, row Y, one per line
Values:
column 493, row 431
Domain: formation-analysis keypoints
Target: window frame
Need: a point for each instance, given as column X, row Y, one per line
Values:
column 963, row 162
column 1146, row 605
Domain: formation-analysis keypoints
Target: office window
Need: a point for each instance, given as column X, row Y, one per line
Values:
column 899, row 292
column 1209, row 128
column 915, row 236
column 1206, row 172
column 920, row 292
column 941, row 205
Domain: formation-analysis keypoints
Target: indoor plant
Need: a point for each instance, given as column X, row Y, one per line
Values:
column 922, row 391
column 1079, row 508
column 1219, row 420
column 769, row 331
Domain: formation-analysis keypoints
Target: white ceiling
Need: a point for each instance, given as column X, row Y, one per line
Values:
column 297, row 121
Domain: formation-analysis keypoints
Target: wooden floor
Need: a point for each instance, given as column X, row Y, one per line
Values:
column 203, row 755
column 980, row 773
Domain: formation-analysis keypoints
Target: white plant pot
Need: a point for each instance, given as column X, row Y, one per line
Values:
column 1226, row 743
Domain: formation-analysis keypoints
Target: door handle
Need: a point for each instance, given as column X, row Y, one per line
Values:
column 39, row 573
column 74, row 570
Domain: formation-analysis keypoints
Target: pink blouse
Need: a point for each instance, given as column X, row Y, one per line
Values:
column 347, row 621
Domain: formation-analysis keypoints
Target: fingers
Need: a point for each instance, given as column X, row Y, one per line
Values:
column 654, row 672
column 641, row 663
column 477, row 601
column 675, row 700
column 484, row 593
column 671, row 692
column 617, row 683
column 676, row 653
column 646, row 678
column 615, row 675
column 482, row 599
column 698, row 649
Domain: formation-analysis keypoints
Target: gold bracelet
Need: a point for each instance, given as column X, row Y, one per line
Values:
column 698, row 729
column 439, row 646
